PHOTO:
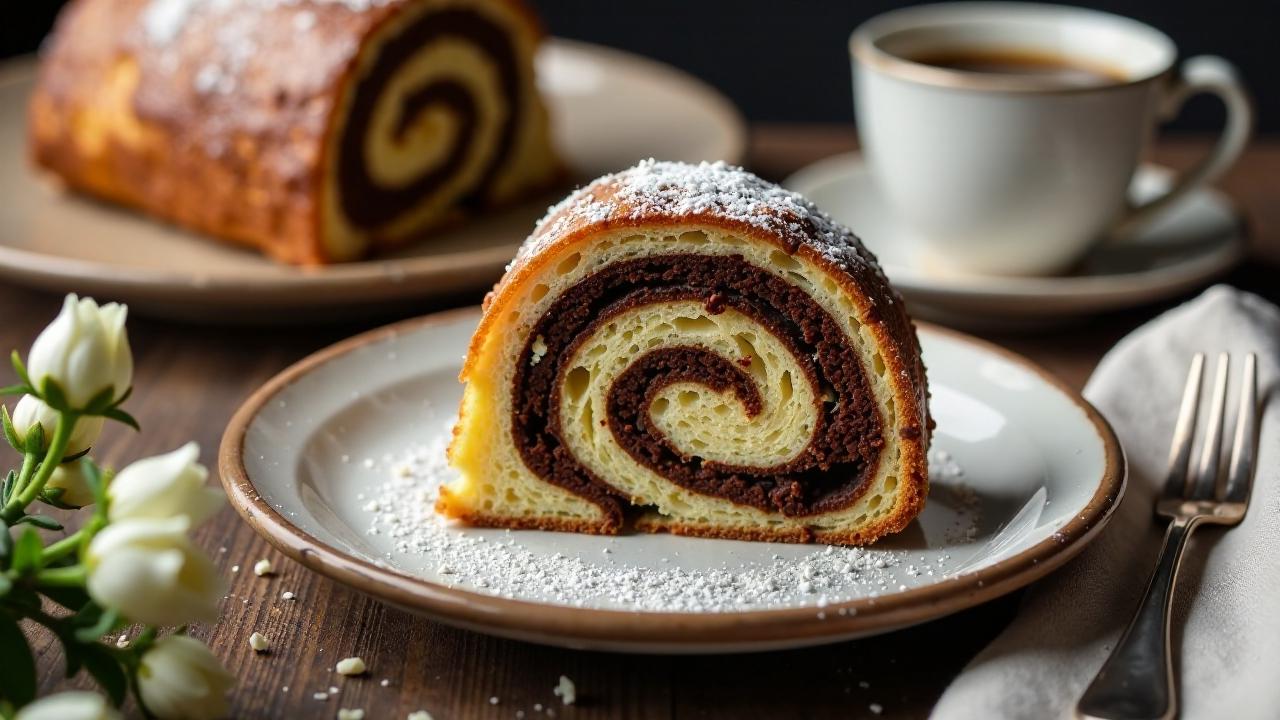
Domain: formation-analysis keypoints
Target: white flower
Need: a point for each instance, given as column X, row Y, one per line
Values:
column 84, row 350
column 75, row 488
column 76, row 705
column 31, row 410
column 150, row 571
column 164, row 486
column 179, row 678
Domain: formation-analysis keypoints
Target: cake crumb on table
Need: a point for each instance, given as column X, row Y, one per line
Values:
column 259, row 642
column 350, row 666
column 876, row 708
column 262, row 567
column 287, row 595
column 320, row 696
column 420, row 715
column 566, row 690
column 351, row 714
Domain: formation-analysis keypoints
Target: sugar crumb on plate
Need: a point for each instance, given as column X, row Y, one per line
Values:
column 498, row 563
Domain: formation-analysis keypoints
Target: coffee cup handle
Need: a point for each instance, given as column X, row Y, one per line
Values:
column 1200, row 74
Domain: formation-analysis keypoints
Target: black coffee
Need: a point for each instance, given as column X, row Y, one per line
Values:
column 1056, row 68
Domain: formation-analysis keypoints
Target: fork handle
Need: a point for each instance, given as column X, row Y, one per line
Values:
column 1136, row 682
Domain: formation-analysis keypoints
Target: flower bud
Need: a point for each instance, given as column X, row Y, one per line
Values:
column 179, row 678
column 69, row 477
column 149, row 570
column 31, row 410
column 164, row 486
column 85, row 350
column 75, row 705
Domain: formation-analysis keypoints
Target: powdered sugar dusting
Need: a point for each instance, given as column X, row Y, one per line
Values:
column 163, row 23
column 654, row 189
column 507, row 564
column 164, row 19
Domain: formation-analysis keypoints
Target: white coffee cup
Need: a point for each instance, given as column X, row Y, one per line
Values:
column 1020, row 174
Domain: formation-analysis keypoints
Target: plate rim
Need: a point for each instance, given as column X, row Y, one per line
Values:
column 658, row 631
column 1103, row 291
column 297, row 287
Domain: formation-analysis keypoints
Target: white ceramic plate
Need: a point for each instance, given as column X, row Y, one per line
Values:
column 1024, row 474
column 609, row 109
column 1200, row 238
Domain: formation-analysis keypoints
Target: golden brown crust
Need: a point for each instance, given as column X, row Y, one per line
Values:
column 121, row 115
column 457, row 511
column 611, row 205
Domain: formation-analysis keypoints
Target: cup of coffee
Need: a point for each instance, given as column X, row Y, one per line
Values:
column 1005, row 136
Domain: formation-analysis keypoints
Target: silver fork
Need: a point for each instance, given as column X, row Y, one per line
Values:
column 1136, row 682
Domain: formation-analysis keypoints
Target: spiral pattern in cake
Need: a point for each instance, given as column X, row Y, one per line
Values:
column 436, row 119
column 692, row 349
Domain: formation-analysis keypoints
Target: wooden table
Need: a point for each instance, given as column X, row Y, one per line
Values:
column 191, row 379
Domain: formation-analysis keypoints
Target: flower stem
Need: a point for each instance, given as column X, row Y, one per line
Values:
column 72, row 576
column 29, row 461
column 70, row 543
column 31, row 490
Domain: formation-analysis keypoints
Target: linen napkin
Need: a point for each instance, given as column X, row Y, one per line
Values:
column 1226, row 636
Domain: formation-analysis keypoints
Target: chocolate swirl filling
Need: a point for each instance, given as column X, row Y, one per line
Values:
column 369, row 204
column 828, row 475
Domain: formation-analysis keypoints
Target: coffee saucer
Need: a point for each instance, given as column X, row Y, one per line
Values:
column 1201, row 237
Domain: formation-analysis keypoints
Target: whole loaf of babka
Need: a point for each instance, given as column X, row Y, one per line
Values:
column 313, row 130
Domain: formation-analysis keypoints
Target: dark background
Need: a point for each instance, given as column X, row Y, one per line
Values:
column 787, row 61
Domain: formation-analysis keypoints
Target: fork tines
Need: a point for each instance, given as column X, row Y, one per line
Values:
column 1208, row 482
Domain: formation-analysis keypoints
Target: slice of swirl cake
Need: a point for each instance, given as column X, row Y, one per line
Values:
column 701, row 352
column 314, row 130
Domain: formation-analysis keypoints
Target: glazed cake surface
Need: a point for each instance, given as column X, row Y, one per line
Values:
column 314, row 130
column 688, row 348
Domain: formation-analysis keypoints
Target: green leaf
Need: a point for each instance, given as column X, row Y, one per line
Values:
column 77, row 456
column 5, row 585
column 104, row 668
column 7, row 489
column 94, row 625
column 18, row 389
column 6, row 541
column 100, row 402
column 128, row 392
column 121, row 416
column 10, row 432
column 19, row 368
column 18, row 681
column 97, row 484
column 35, row 440
column 26, row 552
column 53, row 496
column 40, row 521
column 53, row 396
